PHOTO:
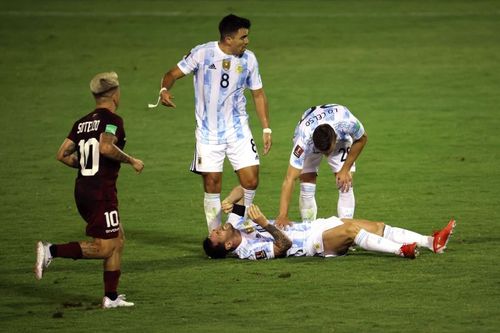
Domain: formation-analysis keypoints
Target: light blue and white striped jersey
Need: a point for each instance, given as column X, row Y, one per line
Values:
column 257, row 243
column 343, row 122
column 219, row 83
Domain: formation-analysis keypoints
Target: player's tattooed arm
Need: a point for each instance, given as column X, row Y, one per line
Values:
column 67, row 153
column 108, row 148
column 281, row 242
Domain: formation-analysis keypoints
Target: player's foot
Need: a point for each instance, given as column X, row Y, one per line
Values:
column 442, row 237
column 120, row 301
column 409, row 251
column 43, row 259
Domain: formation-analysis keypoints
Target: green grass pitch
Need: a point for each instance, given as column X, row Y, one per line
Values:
column 422, row 76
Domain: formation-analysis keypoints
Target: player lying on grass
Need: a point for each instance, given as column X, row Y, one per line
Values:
column 322, row 237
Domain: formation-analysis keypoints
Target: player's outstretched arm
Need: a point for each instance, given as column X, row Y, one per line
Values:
column 108, row 148
column 281, row 242
column 286, row 193
column 67, row 153
column 167, row 83
column 236, row 196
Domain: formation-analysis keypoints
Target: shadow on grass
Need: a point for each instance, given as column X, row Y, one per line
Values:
column 185, row 244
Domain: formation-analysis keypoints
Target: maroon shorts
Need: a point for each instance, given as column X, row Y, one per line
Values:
column 102, row 217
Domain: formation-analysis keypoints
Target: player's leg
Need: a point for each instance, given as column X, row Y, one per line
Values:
column 346, row 202
column 337, row 240
column 208, row 161
column 249, row 180
column 353, row 232
column 436, row 243
column 102, row 223
column 398, row 235
column 404, row 236
column 245, row 160
column 212, row 183
column 112, row 273
column 307, row 197
column 46, row 252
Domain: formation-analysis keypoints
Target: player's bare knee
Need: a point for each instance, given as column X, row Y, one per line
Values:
column 120, row 243
column 250, row 184
column 352, row 230
column 105, row 248
column 212, row 184
column 308, row 177
column 380, row 228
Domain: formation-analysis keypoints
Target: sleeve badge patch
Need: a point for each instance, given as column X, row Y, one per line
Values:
column 111, row 129
column 260, row 255
column 298, row 151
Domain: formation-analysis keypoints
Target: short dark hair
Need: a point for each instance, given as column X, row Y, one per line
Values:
column 323, row 137
column 231, row 23
column 214, row 251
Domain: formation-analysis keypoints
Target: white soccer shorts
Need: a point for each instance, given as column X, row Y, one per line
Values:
column 314, row 243
column 210, row 157
column 335, row 160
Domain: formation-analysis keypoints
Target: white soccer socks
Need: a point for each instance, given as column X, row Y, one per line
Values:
column 346, row 203
column 248, row 196
column 307, row 202
column 372, row 242
column 213, row 208
column 403, row 236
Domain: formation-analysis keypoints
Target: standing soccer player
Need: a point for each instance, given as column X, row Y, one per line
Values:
column 222, row 70
column 94, row 146
column 333, row 131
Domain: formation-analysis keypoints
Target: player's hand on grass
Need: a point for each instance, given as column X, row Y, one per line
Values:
column 166, row 99
column 137, row 164
column 256, row 215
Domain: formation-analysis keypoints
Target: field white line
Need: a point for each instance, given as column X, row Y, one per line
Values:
column 15, row 13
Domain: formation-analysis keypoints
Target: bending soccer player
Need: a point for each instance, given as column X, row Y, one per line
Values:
column 322, row 237
column 329, row 130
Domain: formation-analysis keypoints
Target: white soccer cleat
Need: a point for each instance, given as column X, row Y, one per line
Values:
column 43, row 259
column 120, row 301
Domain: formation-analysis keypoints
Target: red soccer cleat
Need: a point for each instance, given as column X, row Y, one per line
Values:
column 409, row 251
column 442, row 237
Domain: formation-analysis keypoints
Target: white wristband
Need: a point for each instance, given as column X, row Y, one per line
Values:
column 152, row 106
column 267, row 131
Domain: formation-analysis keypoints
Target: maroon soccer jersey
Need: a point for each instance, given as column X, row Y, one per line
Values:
column 95, row 187
column 85, row 134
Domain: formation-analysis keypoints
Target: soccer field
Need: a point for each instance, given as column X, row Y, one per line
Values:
column 422, row 76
